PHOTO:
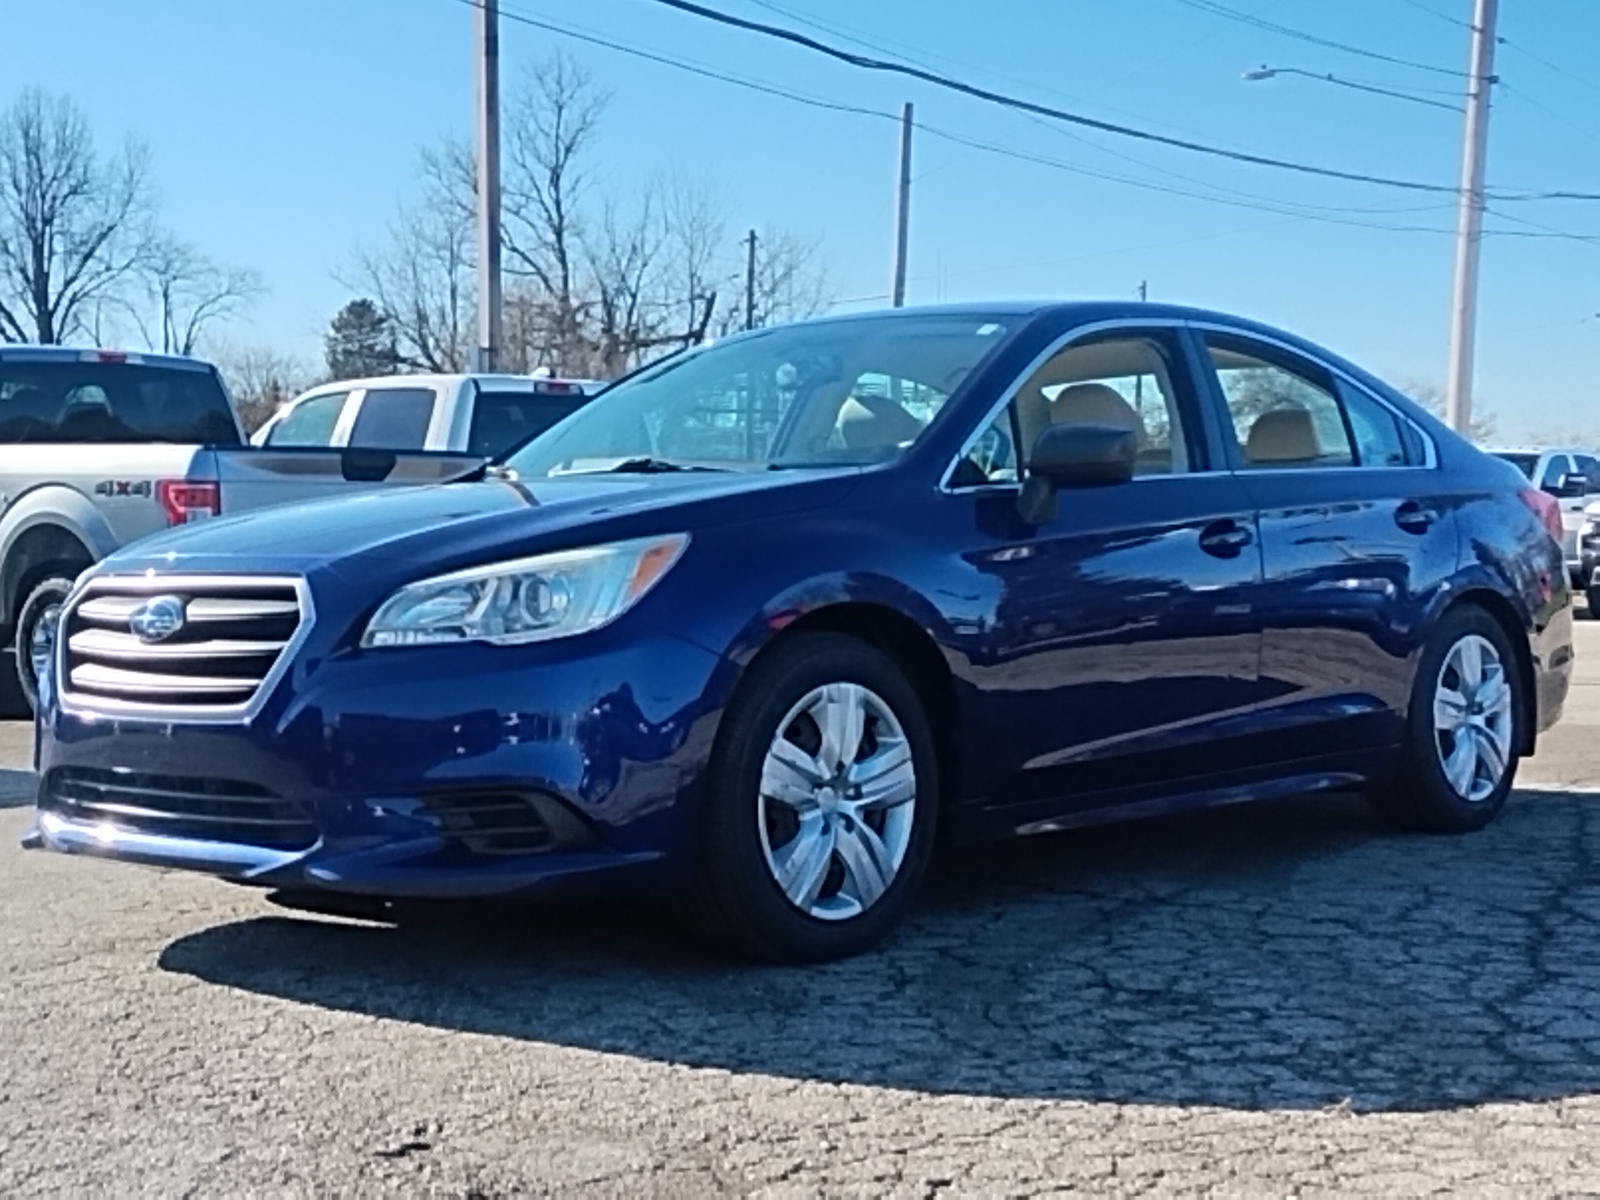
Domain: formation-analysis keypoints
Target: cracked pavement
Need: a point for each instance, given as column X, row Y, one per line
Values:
column 1283, row 1000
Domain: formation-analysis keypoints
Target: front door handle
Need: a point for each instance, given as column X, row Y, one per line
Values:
column 1414, row 517
column 1225, row 539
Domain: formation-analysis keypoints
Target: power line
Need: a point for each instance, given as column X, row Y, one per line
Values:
column 1020, row 105
column 1244, row 18
column 1437, row 15
column 1326, row 214
column 1244, row 200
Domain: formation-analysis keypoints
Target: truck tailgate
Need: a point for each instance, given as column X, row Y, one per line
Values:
column 251, row 478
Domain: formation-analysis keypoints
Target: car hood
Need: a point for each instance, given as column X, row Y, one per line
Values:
column 419, row 531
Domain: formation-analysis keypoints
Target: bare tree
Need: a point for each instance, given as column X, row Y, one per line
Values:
column 185, row 293
column 73, row 226
column 550, row 128
column 261, row 380
column 1431, row 397
column 696, row 253
column 422, row 280
column 790, row 284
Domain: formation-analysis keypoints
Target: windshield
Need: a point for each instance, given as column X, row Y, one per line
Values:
column 1523, row 462
column 839, row 392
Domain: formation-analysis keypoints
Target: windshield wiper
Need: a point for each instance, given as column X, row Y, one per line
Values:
column 653, row 466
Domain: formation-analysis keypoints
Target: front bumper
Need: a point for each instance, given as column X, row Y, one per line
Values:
column 373, row 773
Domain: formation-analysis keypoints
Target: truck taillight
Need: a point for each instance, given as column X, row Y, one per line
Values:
column 184, row 501
column 1546, row 507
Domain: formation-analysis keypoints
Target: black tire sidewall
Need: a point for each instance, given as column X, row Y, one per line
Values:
column 52, row 590
column 1436, row 803
column 749, row 906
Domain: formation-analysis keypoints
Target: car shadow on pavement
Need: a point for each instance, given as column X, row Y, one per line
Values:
column 1287, row 956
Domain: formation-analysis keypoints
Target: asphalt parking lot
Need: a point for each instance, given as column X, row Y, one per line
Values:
column 1281, row 1000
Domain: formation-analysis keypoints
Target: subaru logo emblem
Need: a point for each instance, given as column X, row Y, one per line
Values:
column 157, row 619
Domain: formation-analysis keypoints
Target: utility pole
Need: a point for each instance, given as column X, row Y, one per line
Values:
column 1144, row 290
column 903, row 219
column 487, row 29
column 750, row 282
column 1469, row 220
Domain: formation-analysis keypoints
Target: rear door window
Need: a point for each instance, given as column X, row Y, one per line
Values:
column 502, row 421
column 393, row 419
column 309, row 423
column 88, row 402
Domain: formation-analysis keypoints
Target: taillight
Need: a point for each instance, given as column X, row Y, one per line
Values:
column 551, row 387
column 1546, row 507
column 184, row 501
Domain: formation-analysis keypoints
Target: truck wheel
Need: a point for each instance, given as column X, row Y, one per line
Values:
column 36, row 632
column 1591, row 597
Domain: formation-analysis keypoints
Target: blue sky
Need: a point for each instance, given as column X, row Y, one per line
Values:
column 285, row 133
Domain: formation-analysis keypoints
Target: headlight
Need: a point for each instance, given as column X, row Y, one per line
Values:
column 527, row 600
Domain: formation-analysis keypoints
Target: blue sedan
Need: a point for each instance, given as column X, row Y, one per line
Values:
column 767, row 619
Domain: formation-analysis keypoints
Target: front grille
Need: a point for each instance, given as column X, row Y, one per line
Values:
column 490, row 823
column 210, row 810
column 229, row 636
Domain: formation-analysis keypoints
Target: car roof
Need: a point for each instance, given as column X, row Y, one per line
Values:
column 27, row 352
column 503, row 378
column 1538, row 451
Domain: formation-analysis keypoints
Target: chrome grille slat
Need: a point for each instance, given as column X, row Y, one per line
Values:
column 92, row 677
column 235, row 636
column 105, row 643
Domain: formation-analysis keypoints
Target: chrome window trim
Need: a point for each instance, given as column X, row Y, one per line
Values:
column 166, row 714
column 1010, row 394
column 1429, row 447
column 1430, row 450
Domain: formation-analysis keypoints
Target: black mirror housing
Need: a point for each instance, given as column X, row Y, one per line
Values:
column 1074, row 455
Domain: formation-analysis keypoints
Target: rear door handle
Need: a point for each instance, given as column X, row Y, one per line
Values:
column 1225, row 538
column 1414, row 517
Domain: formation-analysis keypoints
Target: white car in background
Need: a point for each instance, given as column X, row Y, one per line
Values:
column 1572, row 476
column 485, row 415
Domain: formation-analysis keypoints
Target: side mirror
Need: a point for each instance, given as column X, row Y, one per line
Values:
column 1074, row 455
column 1570, row 486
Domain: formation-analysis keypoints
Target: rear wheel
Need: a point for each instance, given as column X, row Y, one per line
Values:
column 1464, row 728
column 1591, row 596
column 36, row 632
column 821, row 803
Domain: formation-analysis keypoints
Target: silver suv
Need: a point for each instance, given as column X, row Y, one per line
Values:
column 1572, row 476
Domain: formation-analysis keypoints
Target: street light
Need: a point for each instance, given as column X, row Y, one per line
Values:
column 1266, row 72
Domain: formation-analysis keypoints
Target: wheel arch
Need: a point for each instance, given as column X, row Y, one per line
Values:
column 45, row 536
column 912, row 648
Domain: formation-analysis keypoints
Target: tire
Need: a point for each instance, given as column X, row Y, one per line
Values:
column 43, row 602
column 1591, row 597
column 1422, row 796
column 836, row 906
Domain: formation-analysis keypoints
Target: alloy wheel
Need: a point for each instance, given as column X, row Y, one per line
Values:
column 1472, row 718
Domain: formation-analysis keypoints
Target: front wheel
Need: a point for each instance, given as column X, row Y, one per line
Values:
column 36, row 632
column 1465, row 725
column 821, row 804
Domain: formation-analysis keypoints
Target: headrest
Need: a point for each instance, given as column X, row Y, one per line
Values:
column 876, row 423
column 1282, row 435
column 1095, row 404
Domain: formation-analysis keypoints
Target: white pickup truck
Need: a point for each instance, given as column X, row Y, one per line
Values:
column 98, row 448
column 482, row 415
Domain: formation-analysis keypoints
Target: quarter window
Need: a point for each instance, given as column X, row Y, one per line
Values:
column 1375, row 430
column 309, row 423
